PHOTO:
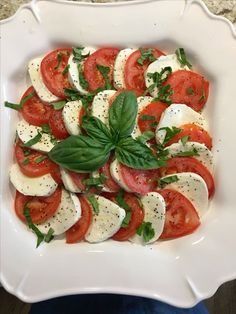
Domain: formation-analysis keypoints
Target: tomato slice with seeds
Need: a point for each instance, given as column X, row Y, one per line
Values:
column 77, row 232
column 41, row 208
column 110, row 183
column 195, row 134
column 181, row 217
column 189, row 88
column 134, row 72
column 34, row 111
column 139, row 181
column 52, row 67
column 105, row 57
column 57, row 125
column 189, row 164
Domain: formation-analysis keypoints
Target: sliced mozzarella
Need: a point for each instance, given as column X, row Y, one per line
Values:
column 34, row 186
column 205, row 155
column 177, row 115
column 193, row 187
column 101, row 105
column 154, row 212
column 160, row 64
column 107, row 222
column 68, row 182
column 67, row 214
column 119, row 79
column 73, row 73
column 37, row 81
column 115, row 173
column 70, row 114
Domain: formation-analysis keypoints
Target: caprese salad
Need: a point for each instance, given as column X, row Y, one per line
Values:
column 112, row 144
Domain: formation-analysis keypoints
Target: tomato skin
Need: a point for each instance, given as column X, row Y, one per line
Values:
column 195, row 134
column 78, row 179
column 57, row 125
column 134, row 72
column 41, row 208
column 34, row 111
column 56, row 174
column 180, row 81
column 181, row 217
column 139, row 181
column 110, row 183
column 52, row 76
column 77, row 232
column 136, row 219
column 154, row 109
column 189, row 164
column 105, row 57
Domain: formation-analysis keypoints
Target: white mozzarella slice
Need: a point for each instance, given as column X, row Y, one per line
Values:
column 68, row 182
column 107, row 222
column 158, row 65
column 73, row 73
column 115, row 173
column 33, row 186
column 70, row 114
column 67, row 214
column 101, row 105
column 37, row 81
column 193, row 187
column 27, row 132
column 175, row 116
column 154, row 212
column 205, row 155
column 123, row 55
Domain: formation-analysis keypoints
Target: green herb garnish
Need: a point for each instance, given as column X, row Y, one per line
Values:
column 170, row 133
column 25, row 161
column 158, row 78
column 82, row 79
column 181, row 56
column 122, row 203
column 165, row 181
column 33, row 141
column 93, row 201
column 184, row 139
column 66, row 69
column 37, row 232
column 59, row 104
column 77, row 53
column 105, row 74
column 46, row 128
column 146, row 117
column 22, row 102
column 203, row 96
column 40, row 159
column 146, row 230
column 146, row 55
column 146, row 136
column 99, row 181
column 189, row 153
column 164, row 94
column 49, row 236
column 59, row 59
column 190, row 91
column 71, row 94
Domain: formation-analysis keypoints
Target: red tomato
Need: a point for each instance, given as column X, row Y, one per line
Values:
column 189, row 164
column 136, row 219
column 56, row 174
column 105, row 57
column 41, row 208
column 34, row 111
column 51, row 70
column 195, row 134
column 82, row 113
column 110, row 183
column 155, row 110
column 77, row 232
column 189, row 88
column 139, row 181
column 57, row 125
column 78, row 179
column 181, row 217
column 134, row 72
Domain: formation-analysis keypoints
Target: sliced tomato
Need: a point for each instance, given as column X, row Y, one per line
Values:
column 82, row 113
column 41, row 208
column 139, row 181
column 154, row 110
column 195, row 134
column 189, row 88
column 136, row 219
column 78, row 179
column 56, row 174
column 110, row 183
column 77, row 232
column 181, row 217
column 52, row 66
column 57, row 125
column 189, row 164
column 105, row 57
column 34, row 111
column 134, row 72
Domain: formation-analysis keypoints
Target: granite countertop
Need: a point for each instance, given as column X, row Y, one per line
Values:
column 226, row 8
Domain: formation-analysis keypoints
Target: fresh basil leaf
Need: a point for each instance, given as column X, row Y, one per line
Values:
column 182, row 58
column 189, row 153
column 82, row 79
column 38, row 233
column 66, row 70
column 146, row 230
column 146, row 136
column 170, row 133
column 59, row 104
column 96, row 129
column 40, row 159
column 165, row 181
column 93, row 201
column 146, row 55
column 46, row 128
column 49, row 236
column 190, row 91
column 146, row 117
column 71, row 94
column 126, row 220
column 164, row 94
column 26, row 98
column 20, row 105
column 136, row 155
column 99, row 181
column 184, row 140
column 25, row 161
column 122, row 203
column 158, row 78
column 122, row 115
column 77, row 53
column 59, row 59
column 33, row 141
column 105, row 74
column 80, row 153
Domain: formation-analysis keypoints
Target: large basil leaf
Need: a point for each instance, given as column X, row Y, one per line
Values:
column 137, row 155
column 122, row 115
column 80, row 153
column 97, row 129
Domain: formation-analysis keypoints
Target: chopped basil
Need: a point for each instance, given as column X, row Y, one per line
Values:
column 158, row 78
column 170, row 133
column 59, row 104
column 25, row 161
column 153, row 124
column 78, row 56
column 40, row 159
column 165, row 181
column 146, row 136
column 190, row 91
column 20, row 105
column 26, row 152
column 46, row 128
column 71, row 94
column 33, row 141
column 181, row 56
column 38, row 233
column 146, row 117
column 184, row 139
column 122, row 203
column 146, row 230
column 93, row 201
column 105, row 74
column 66, row 69
column 188, row 153
column 164, row 94
column 49, row 236
column 203, row 96
column 99, row 181
column 146, row 55
column 82, row 79
column 59, row 59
